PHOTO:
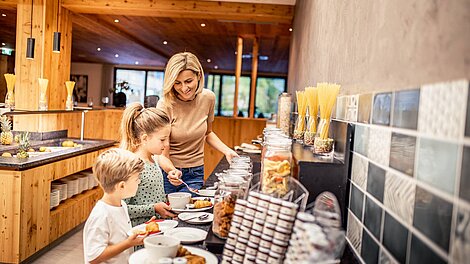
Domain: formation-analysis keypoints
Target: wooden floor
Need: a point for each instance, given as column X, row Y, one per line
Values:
column 69, row 251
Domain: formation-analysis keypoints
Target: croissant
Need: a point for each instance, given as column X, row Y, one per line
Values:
column 152, row 227
column 201, row 204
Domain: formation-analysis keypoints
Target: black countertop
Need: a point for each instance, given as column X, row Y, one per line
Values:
column 13, row 163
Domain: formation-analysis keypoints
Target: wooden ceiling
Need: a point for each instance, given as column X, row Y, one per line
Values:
column 140, row 36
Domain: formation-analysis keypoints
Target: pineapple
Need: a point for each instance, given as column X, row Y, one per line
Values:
column 6, row 137
column 24, row 146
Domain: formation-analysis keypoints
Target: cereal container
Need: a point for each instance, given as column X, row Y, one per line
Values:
column 284, row 104
column 276, row 167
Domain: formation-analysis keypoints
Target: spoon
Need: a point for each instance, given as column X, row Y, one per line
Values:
column 196, row 191
column 200, row 217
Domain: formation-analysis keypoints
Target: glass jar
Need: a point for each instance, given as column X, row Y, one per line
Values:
column 323, row 145
column 284, row 104
column 309, row 135
column 276, row 167
column 226, row 195
column 300, row 124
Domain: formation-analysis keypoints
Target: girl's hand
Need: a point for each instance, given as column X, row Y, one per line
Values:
column 136, row 240
column 163, row 210
column 230, row 154
column 174, row 177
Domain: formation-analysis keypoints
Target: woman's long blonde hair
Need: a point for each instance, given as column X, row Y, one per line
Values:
column 178, row 63
column 136, row 121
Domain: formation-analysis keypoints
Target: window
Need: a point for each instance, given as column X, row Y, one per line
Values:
column 267, row 91
column 141, row 83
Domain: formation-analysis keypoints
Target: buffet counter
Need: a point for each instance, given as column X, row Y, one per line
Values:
column 28, row 223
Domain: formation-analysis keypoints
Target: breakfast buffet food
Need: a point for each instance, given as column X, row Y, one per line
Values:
column 151, row 228
column 223, row 213
column 191, row 258
column 276, row 173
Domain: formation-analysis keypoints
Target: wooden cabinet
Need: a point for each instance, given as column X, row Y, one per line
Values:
column 26, row 222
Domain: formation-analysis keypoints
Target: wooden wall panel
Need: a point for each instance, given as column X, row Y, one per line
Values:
column 233, row 132
column 10, row 190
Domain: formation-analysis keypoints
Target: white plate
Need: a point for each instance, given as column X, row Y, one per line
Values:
column 165, row 225
column 207, row 193
column 140, row 256
column 194, row 210
column 184, row 216
column 187, row 235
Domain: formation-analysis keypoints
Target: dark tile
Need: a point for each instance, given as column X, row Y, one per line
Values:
column 381, row 109
column 395, row 238
column 361, row 139
column 365, row 107
column 465, row 175
column 376, row 182
column 405, row 109
column 402, row 153
column 467, row 126
column 356, row 201
column 461, row 242
column 373, row 217
column 433, row 216
column 420, row 253
column 370, row 249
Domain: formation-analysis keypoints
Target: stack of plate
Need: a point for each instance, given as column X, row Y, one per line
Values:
column 55, row 198
column 83, row 183
column 63, row 189
column 72, row 183
column 91, row 181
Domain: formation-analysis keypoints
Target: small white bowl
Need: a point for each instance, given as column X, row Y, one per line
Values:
column 179, row 200
column 161, row 247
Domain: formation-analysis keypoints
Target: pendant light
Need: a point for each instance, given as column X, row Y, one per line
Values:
column 56, row 42
column 30, row 42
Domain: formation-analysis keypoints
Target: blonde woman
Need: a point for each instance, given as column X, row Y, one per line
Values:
column 190, row 108
column 146, row 131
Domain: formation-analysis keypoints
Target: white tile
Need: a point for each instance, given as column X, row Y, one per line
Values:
column 399, row 196
column 442, row 109
column 379, row 145
column 359, row 171
column 354, row 232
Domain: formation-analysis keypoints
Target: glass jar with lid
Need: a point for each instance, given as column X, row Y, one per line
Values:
column 276, row 167
column 284, row 105
column 228, row 191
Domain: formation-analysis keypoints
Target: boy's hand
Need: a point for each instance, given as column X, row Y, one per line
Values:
column 164, row 210
column 136, row 240
column 174, row 177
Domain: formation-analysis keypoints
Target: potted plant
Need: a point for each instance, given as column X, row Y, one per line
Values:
column 119, row 97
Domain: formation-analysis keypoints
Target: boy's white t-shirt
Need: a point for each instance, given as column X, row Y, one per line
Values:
column 107, row 225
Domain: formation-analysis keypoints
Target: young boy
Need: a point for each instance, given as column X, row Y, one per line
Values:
column 105, row 237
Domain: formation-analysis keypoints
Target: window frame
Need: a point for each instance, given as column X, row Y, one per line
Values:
column 147, row 70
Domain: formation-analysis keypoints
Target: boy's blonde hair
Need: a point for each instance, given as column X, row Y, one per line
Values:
column 136, row 121
column 116, row 165
column 178, row 63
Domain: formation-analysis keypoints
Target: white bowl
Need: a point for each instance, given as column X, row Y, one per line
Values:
column 161, row 247
column 179, row 200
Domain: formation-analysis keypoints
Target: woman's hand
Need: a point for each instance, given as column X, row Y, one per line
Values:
column 229, row 154
column 163, row 210
column 174, row 177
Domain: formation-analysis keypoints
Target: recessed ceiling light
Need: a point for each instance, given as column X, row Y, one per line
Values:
column 216, row 67
column 165, row 42
column 235, row 53
column 203, row 25
column 4, row 15
column 136, row 63
column 98, row 49
column 263, row 58
column 3, row 44
column 116, row 55
column 290, row 29
column 116, row 20
column 209, row 60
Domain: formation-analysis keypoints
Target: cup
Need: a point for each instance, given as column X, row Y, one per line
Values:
column 158, row 247
column 179, row 200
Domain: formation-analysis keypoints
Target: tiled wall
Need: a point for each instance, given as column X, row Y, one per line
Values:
column 410, row 175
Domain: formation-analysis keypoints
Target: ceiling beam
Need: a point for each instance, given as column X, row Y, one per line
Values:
column 94, row 22
column 9, row 3
column 242, row 12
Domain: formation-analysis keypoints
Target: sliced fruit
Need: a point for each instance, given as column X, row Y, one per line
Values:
column 6, row 155
column 42, row 149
